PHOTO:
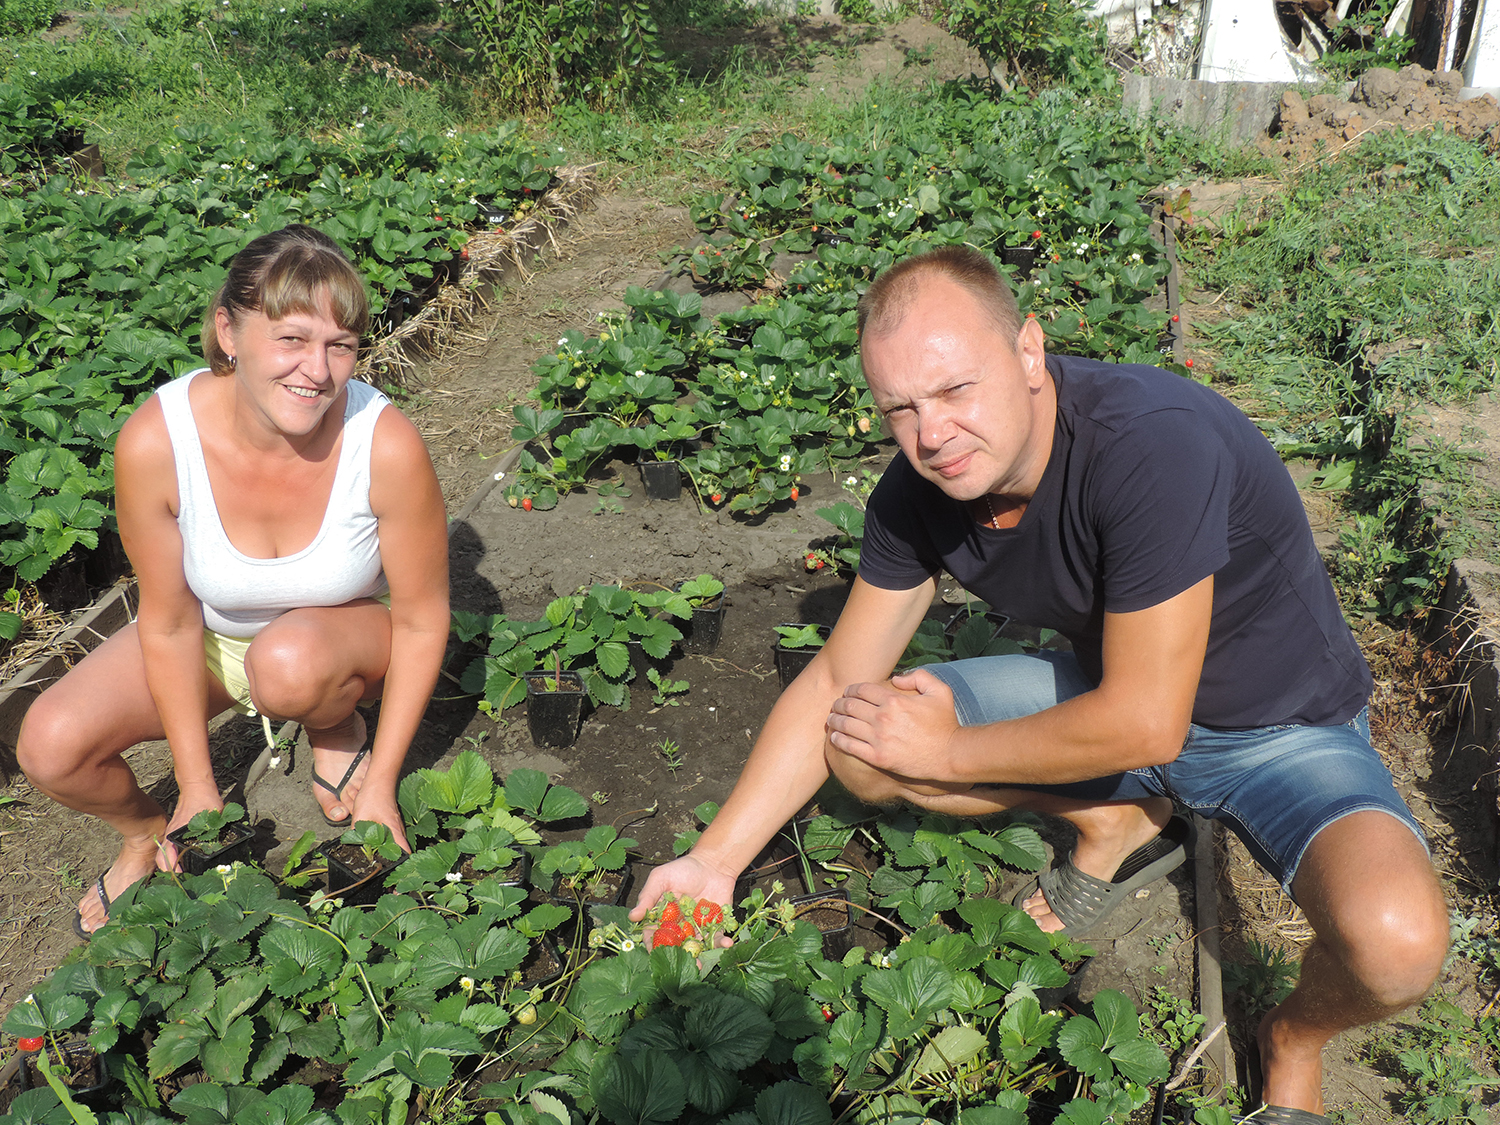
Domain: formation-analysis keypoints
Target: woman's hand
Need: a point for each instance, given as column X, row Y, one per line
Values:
column 193, row 799
column 382, row 809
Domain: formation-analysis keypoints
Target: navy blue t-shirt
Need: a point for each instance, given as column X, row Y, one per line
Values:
column 1153, row 484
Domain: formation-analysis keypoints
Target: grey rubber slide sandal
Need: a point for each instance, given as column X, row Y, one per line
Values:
column 1081, row 901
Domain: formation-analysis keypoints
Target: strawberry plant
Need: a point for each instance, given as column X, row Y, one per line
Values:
column 411, row 999
column 81, row 345
column 773, row 391
column 586, row 633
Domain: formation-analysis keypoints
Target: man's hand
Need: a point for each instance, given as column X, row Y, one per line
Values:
column 685, row 876
column 190, row 802
column 904, row 727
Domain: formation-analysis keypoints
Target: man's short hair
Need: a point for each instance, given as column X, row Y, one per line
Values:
column 891, row 295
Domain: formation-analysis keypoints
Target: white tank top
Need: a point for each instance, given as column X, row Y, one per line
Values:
column 242, row 595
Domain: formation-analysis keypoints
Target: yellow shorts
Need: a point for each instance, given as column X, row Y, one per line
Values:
column 226, row 661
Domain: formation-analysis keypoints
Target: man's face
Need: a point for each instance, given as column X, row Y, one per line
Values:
column 972, row 410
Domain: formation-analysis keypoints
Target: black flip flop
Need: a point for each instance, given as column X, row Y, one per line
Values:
column 338, row 790
column 1281, row 1115
column 78, row 929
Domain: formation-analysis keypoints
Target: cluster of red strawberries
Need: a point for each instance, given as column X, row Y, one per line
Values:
column 684, row 920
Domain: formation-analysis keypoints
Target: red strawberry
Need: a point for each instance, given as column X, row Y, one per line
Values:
column 1036, row 234
column 31, row 1044
column 1188, row 362
column 668, row 933
column 716, row 498
column 708, row 913
column 1175, row 318
column 794, row 492
column 526, row 503
column 827, row 1014
column 671, row 913
column 688, row 930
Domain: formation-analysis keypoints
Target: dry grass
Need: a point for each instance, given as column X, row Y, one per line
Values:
column 39, row 631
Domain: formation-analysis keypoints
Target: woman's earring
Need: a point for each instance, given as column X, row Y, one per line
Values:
column 233, row 362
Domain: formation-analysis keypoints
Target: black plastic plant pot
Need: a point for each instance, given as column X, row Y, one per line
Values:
column 198, row 857
column 513, row 876
column 612, row 889
column 791, row 661
column 352, row 876
column 832, row 914
column 662, row 479
column 1022, row 257
column 80, row 1068
column 554, row 707
column 543, row 965
column 641, row 660
column 961, row 617
column 701, row 632
column 616, row 892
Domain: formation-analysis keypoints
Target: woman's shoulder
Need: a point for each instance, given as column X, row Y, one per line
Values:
column 144, row 440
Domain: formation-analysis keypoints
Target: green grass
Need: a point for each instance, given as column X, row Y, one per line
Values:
column 1368, row 289
column 267, row 61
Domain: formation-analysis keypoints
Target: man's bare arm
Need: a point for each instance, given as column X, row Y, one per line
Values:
column 1137, row 716
column 788, row 764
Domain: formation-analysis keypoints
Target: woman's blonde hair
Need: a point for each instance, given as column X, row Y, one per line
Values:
column 293, row 270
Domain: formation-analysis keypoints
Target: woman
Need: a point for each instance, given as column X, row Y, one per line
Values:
column 268, row 503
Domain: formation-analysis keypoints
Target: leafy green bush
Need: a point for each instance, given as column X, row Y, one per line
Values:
column 1354, row 315
column 774, row 391
column 22, row 17
column 587, row 633
column 1035, row 42
column 543, row 52
column 105, row 284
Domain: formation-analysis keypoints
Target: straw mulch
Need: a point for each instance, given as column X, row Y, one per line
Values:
column 441, row 327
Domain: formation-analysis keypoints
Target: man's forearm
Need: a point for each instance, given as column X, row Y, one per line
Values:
column 1081, row 738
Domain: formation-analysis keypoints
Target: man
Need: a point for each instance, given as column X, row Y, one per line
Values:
column 1146, row 519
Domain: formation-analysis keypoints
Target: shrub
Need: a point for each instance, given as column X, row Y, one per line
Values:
column 1037, row 43
column 539, row 54
column 22, row 17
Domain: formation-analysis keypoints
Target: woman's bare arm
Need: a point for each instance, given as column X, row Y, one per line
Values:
column 408, row 504
column 170, row 619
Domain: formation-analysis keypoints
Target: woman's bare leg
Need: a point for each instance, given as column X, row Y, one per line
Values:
column 314, row 666
column 70, row 748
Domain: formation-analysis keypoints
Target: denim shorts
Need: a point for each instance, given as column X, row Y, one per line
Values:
column 1276, row 787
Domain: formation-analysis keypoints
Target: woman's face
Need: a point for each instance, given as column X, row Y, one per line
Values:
column 292, row 368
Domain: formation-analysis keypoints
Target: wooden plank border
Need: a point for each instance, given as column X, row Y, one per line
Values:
column 93, row 627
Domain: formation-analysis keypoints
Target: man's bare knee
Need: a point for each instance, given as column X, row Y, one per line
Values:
column 1396, row 949
column 1390, row 931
